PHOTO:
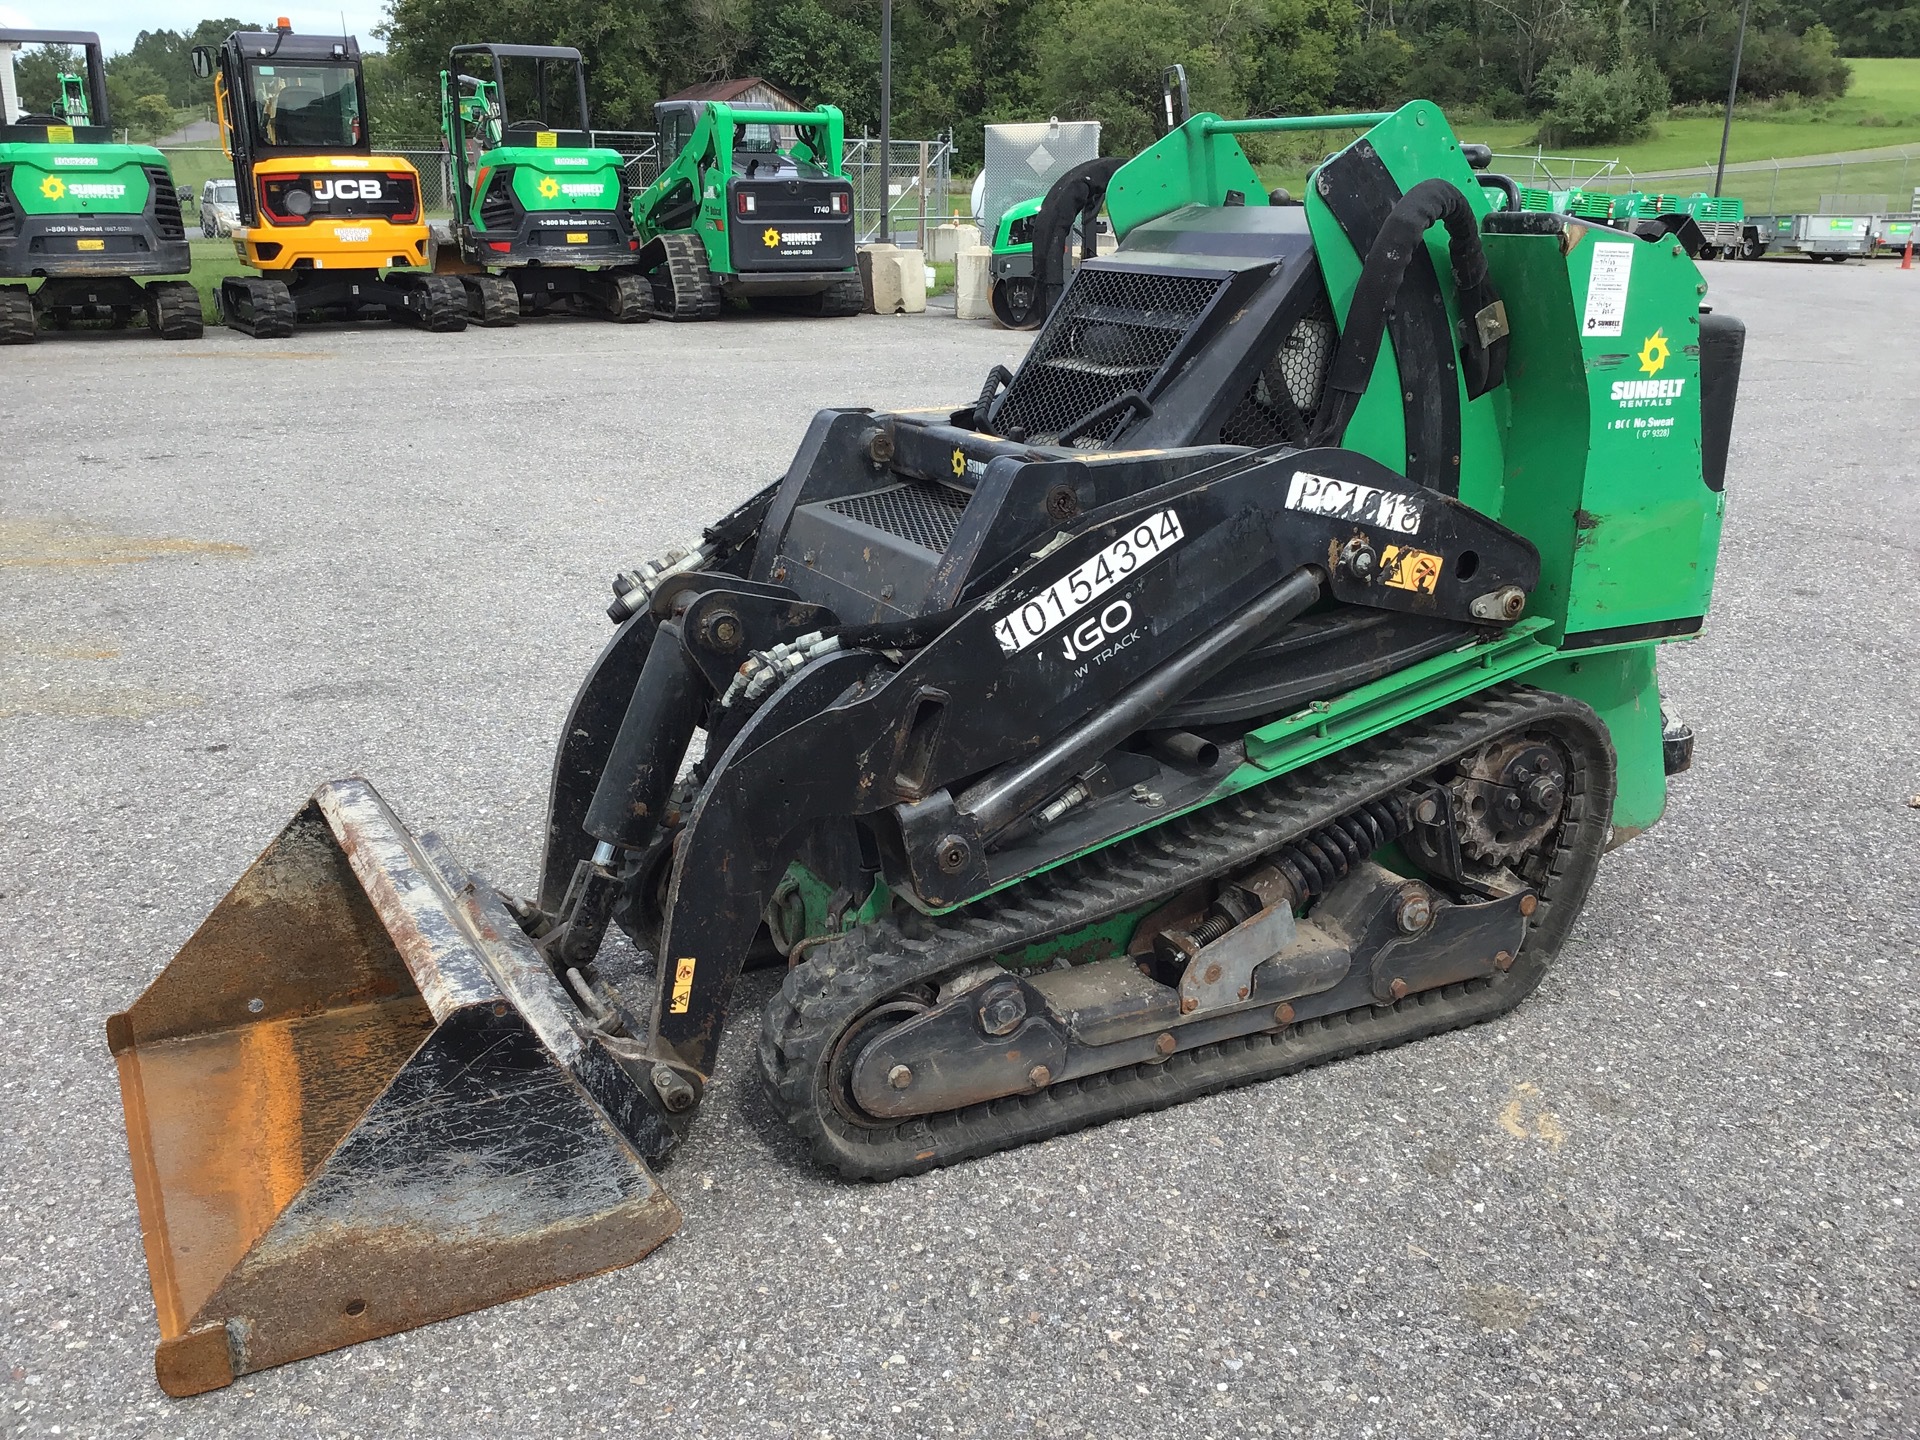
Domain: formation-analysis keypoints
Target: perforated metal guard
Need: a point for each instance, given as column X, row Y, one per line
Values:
column 1113, row 331
column 1279, row 406
column 916, row 510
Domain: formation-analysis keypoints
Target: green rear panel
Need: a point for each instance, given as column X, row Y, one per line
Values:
column 79, row 179
column 546, row 180
column 1603, row 464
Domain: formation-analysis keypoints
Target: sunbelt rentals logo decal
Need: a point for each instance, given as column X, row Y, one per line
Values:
column 773, row 238
column 54, row 188
column 1651, row 393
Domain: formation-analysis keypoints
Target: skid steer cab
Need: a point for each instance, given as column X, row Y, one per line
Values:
column 1256, row 677
column 542, row 217
column 333, row 229
column 752, row 205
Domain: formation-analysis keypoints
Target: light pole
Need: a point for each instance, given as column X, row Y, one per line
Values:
column 1733, row 88
column 886, row 122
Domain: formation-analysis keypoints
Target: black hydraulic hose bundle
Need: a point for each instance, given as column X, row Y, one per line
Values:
column 1393, row 249
column 1076, row 194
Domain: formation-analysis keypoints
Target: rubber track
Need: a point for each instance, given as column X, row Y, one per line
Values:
column 686, row 291
column 271, row 302
column 633, row 299
column 173, row 310
column 844, row 297
column 17, row 323
column 843, row 980
column 493, row 301
column 446, row 308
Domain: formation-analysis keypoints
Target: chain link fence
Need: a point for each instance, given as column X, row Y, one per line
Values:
column 914, row 193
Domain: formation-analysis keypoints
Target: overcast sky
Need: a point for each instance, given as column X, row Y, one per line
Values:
column 118, row 21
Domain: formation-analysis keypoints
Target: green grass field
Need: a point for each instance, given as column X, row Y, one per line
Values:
column 1882, row 108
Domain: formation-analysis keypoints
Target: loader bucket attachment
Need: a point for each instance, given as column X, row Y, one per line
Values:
column 358, row 1101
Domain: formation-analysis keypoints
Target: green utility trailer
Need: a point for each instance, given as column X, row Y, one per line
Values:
column 1723, row 226
column 85, row 216
column 541, row 220
column 749, row 204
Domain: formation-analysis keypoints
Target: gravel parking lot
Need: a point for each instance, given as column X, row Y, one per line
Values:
column 1672, row 1195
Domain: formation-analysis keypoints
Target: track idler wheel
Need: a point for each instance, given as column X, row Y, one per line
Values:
column 492, row 300
column 17, row 325
column 173, row 310
column 257, row 305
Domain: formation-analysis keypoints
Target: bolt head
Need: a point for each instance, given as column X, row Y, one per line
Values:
column 1002, row 1009
column 1398, row 989
column 900, row 1077
column 1504, row 960
column 952, row 853
column 1283, row 1014
column 1211, row 975
column 1039, row 1077
column 1188, row 1005
column 1415, row 913
column 1165, row 1043
column 1427, row 811
column 1529, row 904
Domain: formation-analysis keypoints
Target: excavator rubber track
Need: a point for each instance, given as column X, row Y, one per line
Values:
column 842, row 981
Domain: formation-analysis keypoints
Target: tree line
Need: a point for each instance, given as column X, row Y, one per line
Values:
column 1585, row 70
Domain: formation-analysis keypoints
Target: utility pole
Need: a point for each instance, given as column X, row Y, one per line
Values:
column 1733, row 88
column 886, row 122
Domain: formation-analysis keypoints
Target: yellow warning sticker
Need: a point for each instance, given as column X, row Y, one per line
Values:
column 576, row 237
column 682, row 986
column 59, row 134
column 93, row 244
column 545, row 140
column 1406, row 569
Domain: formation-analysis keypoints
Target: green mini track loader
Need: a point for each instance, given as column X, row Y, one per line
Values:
column 84, row 216
column 748, row 204
column 1255, row 677
column 541, row 214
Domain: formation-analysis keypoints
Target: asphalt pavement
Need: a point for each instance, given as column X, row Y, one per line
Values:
column 1673, row 1194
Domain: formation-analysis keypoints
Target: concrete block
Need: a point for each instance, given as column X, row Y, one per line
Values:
column 894, row 278
column 945, row 242
column 972, row 281
column 864, row 260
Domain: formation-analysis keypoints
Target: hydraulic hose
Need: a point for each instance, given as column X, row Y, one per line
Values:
column 1077, row 193
column 1393, row 249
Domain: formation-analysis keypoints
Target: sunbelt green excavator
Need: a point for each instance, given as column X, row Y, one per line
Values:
column 91, row 220
column 1255, row 677
column 541, row 214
